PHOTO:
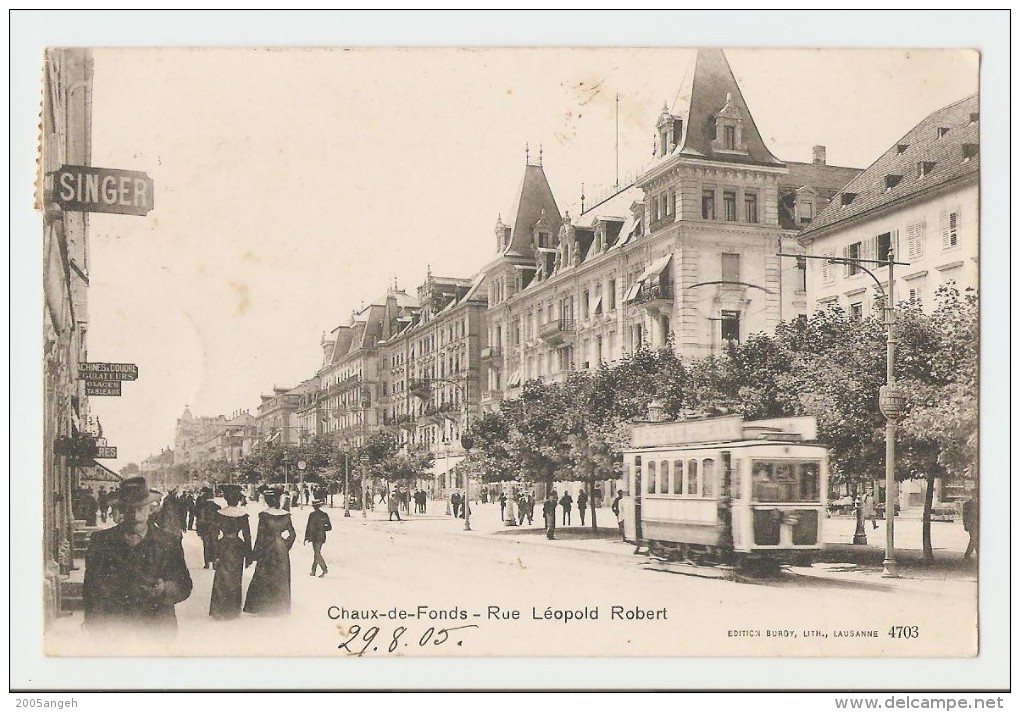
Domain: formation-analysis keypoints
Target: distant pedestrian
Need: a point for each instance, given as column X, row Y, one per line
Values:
column 970, row 525
column 868, row 508
column 567, row 502
column 90, row 507
column 549, row 515
column 617, row 508
column 104, row 503
column 502, row 505
column 529, row 507
column 582, row 504
column 169, row 517
column 455, row 503
column 315, row 533
column 393, row 506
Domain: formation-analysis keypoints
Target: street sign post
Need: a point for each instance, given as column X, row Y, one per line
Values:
column 103, row 190
column 102, row 388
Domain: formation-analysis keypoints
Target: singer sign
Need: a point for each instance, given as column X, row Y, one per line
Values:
column 103, row 190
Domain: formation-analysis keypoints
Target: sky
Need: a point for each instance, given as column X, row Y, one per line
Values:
column 292, row 186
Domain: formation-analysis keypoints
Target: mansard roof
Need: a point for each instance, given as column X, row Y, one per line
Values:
column 945, row 142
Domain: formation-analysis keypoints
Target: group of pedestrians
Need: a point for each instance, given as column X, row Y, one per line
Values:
column 135, row 571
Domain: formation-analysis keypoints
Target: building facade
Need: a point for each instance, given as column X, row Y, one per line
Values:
column 66, row 140
column 920, row 198
column 686, row 256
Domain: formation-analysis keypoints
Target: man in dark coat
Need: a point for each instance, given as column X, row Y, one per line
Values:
column 169, row 517
column 205, row 524
column 549, row 514
column 455, row 503
column 582, row 504
column 104, row 503
column 315, row 532
column 134, row 573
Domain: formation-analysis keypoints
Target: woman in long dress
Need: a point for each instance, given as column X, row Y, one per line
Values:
column 233, row 554
column 269, row 591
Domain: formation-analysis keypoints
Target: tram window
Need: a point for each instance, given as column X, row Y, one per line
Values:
column 786, row 479
column 692, row 478
column 809, row 482
column 736, row 481
column 651, row 477
column 763, row 478
column 628, row 476
column 708, row 478
column 663, row 477
column 678, row 476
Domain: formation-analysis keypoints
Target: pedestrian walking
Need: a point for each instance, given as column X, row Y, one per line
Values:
column 315, row 533
column 104, row 503
column 455, row 503
column 549, row 515
column 617, row 508
column 134, row 573
column 582, row 504
column 189, row 511
column 169, row 517
column 566, row 501
column 205, row 525
column 969, row 513
column 233, row 555
column 868, row 507
column 269, row 590
column 529, row 508
column 393, row 506
column 90, row 507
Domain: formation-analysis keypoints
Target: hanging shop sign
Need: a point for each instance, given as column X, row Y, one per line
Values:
column 103, row 190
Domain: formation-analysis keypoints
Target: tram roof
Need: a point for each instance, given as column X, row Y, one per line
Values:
column 725, row 445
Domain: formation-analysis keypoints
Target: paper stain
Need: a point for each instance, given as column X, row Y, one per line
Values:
column 241, row 292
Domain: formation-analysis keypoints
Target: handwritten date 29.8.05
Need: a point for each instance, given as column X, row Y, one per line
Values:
column 360, row 641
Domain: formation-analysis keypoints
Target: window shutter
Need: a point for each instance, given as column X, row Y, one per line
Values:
column 944, row 221
column 869, row 248
column 846, row 256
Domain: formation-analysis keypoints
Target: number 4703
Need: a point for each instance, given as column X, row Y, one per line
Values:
column 904, row 631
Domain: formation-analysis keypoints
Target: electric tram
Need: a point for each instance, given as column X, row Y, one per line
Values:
column 722, row 490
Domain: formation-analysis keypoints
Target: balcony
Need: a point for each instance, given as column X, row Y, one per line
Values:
column 491, row 352
column 492, row 396
column 557, row 331
column 655, row 297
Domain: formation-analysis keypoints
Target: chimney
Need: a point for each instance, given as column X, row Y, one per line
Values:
column 818, row 155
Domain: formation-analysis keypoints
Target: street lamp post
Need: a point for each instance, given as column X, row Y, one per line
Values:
column 347, row 485
column 890, row 398
column 364, row 477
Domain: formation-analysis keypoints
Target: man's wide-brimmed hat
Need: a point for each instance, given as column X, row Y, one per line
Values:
column 230, row 489
column 134, row 492
column 318, row 502
column 266, row 489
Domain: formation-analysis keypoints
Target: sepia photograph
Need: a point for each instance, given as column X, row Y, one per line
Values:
column 432, row 352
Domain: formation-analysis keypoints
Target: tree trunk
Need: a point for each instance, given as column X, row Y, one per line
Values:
column 928, row 556
column 591, row 501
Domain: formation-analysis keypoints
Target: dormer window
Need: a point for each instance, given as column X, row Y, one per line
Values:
column 942, row 131
column 846, row 198
column 892, row 180
column 730, row 137
column 543, row 239
column 970, row 150
column 924, row 168
column 973, row 118
column 901, row 148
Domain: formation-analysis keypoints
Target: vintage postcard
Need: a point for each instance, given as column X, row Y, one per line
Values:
column 484, row 352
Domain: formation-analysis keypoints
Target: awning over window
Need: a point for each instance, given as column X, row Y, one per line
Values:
column 656, row 268
column 596, row 308
column 515, row 378
column 443, row 464
column 632, row 292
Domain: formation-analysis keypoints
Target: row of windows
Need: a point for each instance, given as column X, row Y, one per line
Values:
column 877, row 248
column 729, row 205
column 661, row 478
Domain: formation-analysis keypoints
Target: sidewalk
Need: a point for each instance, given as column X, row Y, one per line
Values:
column 949, row 540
